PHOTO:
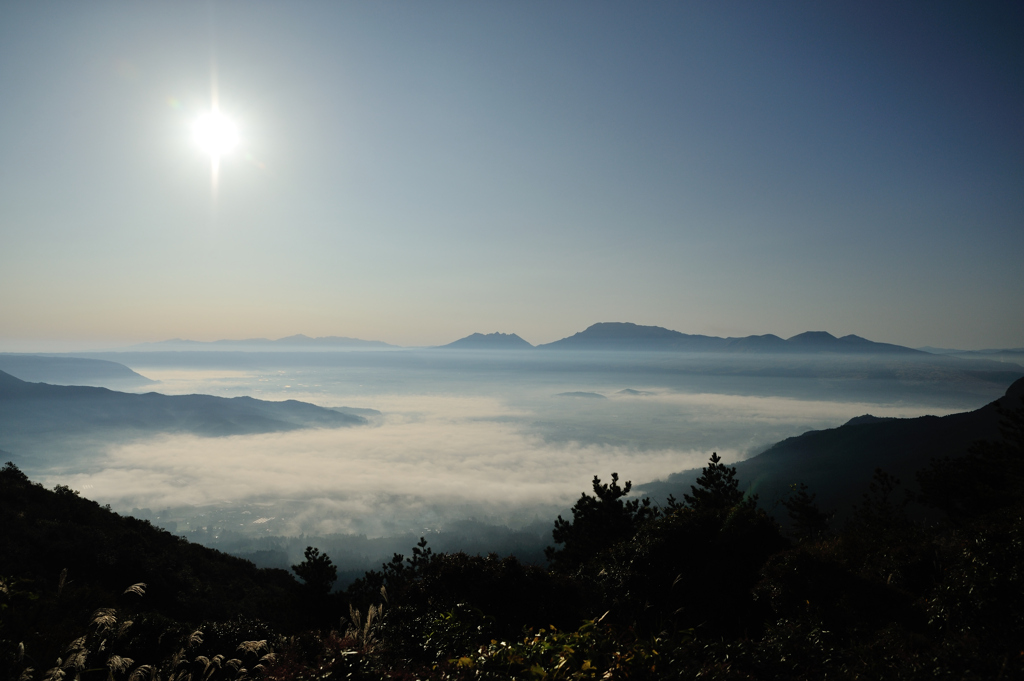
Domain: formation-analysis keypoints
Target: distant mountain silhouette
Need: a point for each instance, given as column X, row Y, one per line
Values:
column 586, row 395
column 767, row 343
column 627, row 336
column 40, row 408
column 837, row 464
column 489, row 341
column 821, row 341
column 71, row 371
column 293, row 343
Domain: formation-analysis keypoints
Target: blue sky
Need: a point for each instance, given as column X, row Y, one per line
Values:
column 415, row 172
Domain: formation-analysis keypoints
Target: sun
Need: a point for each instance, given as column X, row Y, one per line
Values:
column 215, row 134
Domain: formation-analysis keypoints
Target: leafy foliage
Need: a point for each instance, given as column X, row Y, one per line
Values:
column 594, row 650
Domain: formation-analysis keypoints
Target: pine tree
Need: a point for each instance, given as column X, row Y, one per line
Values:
column 598, row 523
column 717, row 488
column 317, row 571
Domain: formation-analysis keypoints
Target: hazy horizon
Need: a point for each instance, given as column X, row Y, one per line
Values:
column 49, row 346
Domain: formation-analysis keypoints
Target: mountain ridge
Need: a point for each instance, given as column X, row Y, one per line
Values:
column 629, row 336
column 600, row 336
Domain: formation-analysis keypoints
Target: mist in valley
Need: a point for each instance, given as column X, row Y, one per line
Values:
column 476, row 451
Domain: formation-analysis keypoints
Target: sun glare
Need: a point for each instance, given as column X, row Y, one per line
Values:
column 215, row 134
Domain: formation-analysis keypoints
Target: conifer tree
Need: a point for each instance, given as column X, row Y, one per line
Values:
column 317, row 571
column 598, row 523
column 717, row 488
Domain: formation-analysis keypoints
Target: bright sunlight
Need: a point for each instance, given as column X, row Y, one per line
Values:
column 215, row 134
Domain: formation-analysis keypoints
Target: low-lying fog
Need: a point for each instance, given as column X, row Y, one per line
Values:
column 509, row 444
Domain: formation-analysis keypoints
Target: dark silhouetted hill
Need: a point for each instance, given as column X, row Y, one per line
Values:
column 28, row 408
column 490, row 341
column 838, row 463
column 46, row 532
column 71, row 371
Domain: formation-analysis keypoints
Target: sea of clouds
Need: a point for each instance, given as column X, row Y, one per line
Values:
column 431, row 458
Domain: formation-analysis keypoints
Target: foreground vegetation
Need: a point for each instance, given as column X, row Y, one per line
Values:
column 709, row 586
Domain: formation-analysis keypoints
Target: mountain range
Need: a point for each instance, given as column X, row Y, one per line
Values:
column 634, row 337
column 626, row 336
column 600, row 336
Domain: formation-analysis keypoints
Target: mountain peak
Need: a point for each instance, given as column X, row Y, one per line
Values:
column 629, row 336
column 490, row 341
column 812, row 337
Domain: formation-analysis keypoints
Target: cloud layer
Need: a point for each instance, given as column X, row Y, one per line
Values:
column 431, row 459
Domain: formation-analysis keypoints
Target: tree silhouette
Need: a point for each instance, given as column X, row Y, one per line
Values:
column 598, row 523
column 670, row 572
column 717, row 488
column 317, row 571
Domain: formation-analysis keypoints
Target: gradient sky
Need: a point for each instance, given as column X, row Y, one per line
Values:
column 415, row 172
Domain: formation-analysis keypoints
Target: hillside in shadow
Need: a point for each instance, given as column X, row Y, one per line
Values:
column 830, row 460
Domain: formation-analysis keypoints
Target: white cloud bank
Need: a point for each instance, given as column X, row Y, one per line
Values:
column 432, row 458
